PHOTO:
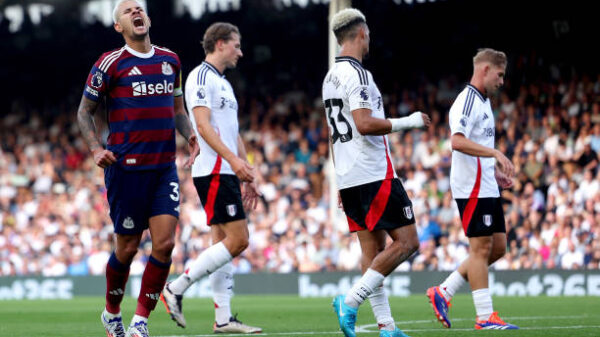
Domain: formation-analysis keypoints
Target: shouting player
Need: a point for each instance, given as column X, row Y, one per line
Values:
column 474, row 180
column 372, row 196
column 141, row 86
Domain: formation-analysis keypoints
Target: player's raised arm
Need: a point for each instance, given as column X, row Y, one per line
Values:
column 85, row 119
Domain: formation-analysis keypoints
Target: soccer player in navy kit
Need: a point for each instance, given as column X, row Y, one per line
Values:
column 141, row 86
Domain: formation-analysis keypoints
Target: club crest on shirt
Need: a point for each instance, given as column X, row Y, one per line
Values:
column 463, row 122
column 166, row 68
column 487, row 219
column 231, row 209
column 408, row 212
column 363, row 94
column 97, row 79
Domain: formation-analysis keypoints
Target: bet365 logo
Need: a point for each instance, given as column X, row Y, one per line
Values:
column 143, row 89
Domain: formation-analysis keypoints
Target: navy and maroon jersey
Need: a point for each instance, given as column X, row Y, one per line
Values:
column 139, row 90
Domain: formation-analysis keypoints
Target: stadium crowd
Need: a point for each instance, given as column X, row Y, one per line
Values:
column 54, row 215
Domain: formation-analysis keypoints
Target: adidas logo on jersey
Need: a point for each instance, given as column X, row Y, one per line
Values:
column 134, row 71
column 485, row 116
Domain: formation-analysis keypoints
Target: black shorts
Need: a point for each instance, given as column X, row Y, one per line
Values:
column 382, row 204
column 221, row 198
column 481, row 216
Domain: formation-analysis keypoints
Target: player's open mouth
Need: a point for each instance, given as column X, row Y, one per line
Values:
column 138, row 22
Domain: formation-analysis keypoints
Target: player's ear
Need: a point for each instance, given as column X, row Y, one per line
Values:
column 118, row 27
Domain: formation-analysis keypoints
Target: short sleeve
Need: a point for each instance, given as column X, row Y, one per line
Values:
column 178, row 79
column 97, row 83
column 200, row 92
column 462, row 115
column 357, row 90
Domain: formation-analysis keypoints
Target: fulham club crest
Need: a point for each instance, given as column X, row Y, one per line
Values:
column 231, row 210
column 487, row 219
column 408, row 212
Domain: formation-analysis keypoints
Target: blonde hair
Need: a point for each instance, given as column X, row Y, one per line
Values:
column 344, row 22
column 116, row 9
column 490, row 55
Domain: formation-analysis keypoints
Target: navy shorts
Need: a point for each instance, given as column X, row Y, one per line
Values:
column 382, row 204
column 481, row 216
column 221, row 198
column 136, row 196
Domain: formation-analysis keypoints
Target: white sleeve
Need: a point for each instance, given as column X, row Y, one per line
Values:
column 358, row 92
column 462, row 115
column 201, row 92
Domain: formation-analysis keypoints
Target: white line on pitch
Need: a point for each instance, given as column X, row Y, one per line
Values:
column 374, row 332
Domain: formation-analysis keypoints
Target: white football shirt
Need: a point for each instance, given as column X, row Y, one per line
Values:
column 358, row 159
column 206, row 87
column 473, row 177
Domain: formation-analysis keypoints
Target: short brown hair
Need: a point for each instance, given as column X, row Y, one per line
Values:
column 218, row 31
column 490, row 55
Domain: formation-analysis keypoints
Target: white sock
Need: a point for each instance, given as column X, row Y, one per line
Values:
column 381, row 309
column 221, row 282
column 451, row 284
column 207, row 262
column 138, row 318
column 370, row 280
column 483, row 303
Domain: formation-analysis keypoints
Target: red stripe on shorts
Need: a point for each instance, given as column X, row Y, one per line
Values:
column 473, row 198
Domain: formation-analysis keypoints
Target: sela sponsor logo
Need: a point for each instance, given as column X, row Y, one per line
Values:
column 167, row 69
column 128, row 223
column 130, row 161
column 142, row 88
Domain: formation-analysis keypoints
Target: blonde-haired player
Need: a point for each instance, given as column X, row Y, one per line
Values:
column 474, row 181
column 374, row 200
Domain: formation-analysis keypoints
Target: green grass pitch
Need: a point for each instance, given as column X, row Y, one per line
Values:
column 294, row 316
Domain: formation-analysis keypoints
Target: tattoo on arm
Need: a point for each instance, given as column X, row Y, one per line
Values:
column 183, row 125
column 85, row 119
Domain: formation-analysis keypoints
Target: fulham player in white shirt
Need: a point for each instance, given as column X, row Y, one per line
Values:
column 476, row 172
column 373, row 198
column 217, row 172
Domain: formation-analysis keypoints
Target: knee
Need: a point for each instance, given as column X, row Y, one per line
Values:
column 497, row 253
column 125, row 253
column 413, row 245
column 164, row 248
column 482, row 251
column 241, row 243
